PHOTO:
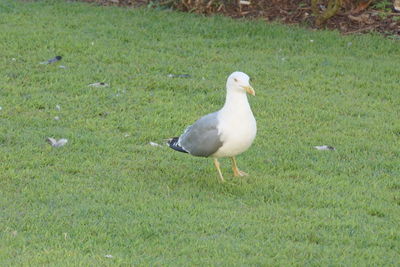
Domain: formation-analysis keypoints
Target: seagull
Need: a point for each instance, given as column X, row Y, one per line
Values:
column 225, row 133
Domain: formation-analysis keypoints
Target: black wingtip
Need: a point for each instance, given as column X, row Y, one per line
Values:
column 173, row 143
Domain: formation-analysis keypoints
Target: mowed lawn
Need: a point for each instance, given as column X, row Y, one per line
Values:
column 108, row 197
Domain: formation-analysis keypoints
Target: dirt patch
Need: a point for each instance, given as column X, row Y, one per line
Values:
column 352, row 19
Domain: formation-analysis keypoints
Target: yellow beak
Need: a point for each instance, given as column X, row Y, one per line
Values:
column 249, row 90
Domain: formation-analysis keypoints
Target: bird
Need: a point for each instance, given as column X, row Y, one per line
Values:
column 225, row 133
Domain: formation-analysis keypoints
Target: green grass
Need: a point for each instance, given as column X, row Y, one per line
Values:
column 105, row 193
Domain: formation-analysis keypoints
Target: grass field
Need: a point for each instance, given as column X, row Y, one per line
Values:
column 109, row 192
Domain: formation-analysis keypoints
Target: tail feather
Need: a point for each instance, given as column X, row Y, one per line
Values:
column 174, row 144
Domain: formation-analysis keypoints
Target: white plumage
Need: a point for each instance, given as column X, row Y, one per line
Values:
column 236, row 124
column 225, row 133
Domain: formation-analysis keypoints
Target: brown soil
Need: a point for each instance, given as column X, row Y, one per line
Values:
column 356, row 19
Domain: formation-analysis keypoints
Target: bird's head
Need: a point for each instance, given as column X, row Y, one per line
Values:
column 239, row 82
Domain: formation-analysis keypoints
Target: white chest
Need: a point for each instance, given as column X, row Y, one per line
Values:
column 237, row 132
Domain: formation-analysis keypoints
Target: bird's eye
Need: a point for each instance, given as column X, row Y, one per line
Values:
column 235, row 79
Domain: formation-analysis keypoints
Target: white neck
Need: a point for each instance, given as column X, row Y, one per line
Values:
column 236, row 101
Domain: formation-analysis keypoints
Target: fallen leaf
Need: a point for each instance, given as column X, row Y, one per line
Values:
column 361, row 6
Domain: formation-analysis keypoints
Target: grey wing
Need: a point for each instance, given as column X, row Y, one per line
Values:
column 202, row 138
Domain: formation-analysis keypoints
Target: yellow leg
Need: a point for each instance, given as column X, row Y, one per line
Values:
column 216, row 163
column 236, row 170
